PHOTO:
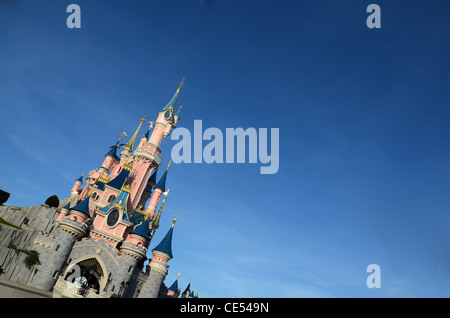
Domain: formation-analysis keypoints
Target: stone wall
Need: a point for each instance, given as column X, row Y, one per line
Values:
column 31, row 220
column 10, row 289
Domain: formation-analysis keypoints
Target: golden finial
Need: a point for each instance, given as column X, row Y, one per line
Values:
column 130, row 143
column 178, row 276
column 196, row 295
column 151, row 125
column 182, row 82
column 121, row 135
column 174, row 220
column 170, row 162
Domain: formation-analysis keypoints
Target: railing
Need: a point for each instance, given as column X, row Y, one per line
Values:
column 149, row 153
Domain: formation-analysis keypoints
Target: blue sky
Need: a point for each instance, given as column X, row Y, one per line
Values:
column 364, row 132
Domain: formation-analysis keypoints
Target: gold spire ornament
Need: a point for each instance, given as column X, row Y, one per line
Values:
column 121, row 136
column 174, row 220
column 130, row 143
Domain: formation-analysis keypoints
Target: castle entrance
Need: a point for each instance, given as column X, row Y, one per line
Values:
column 90, row 275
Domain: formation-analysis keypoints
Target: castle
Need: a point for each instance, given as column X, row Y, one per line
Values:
column 95, row 243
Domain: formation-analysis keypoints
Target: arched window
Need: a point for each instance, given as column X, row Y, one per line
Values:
column 94, row 196
column 111, row 198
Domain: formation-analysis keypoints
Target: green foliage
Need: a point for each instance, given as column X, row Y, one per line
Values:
column 9, row 224
column 31, row 259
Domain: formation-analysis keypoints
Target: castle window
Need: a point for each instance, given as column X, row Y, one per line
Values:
column 113, row 217
column 111, row 198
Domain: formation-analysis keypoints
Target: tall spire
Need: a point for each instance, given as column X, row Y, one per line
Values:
column 179, row 111
column 130, row 143
column 173, row 101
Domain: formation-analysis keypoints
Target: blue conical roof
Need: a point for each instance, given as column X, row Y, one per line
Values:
column 142, row 229
column 153, row 176
column 83, row 207
column 166, row 244
column 174, row 286
column 162, row 182
column 147, row 134
column 67, row 206
column 118, row 181
column 113, row 152
column 80, row 179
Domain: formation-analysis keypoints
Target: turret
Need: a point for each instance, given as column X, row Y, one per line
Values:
column 172, row 291
column 147, row 157
column 71, row 228
column 148, row 190
column 76, row 186
column 159, row 189
column 165, row 121
column 111, row 157
column 162, row 253
column 63, row 212
column 186, row 292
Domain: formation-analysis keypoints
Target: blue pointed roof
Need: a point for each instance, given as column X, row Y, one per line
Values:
column 113, row 152
column 162, row 182
column 82, row 207
column 188, row 288
column 147, row 134
column 118, row 181
column 99, row 185
column 67, row 206
column 143, row 229
column 80, row 179
column 174, row 286
column 165, row 245
column 192, row 294
column 153, row 176
column 173, row 101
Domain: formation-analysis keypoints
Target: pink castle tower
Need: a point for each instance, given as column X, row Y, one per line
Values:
column 136, row 167
column 147, row 156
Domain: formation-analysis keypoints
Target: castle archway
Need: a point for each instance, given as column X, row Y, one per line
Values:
column 90, row 272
